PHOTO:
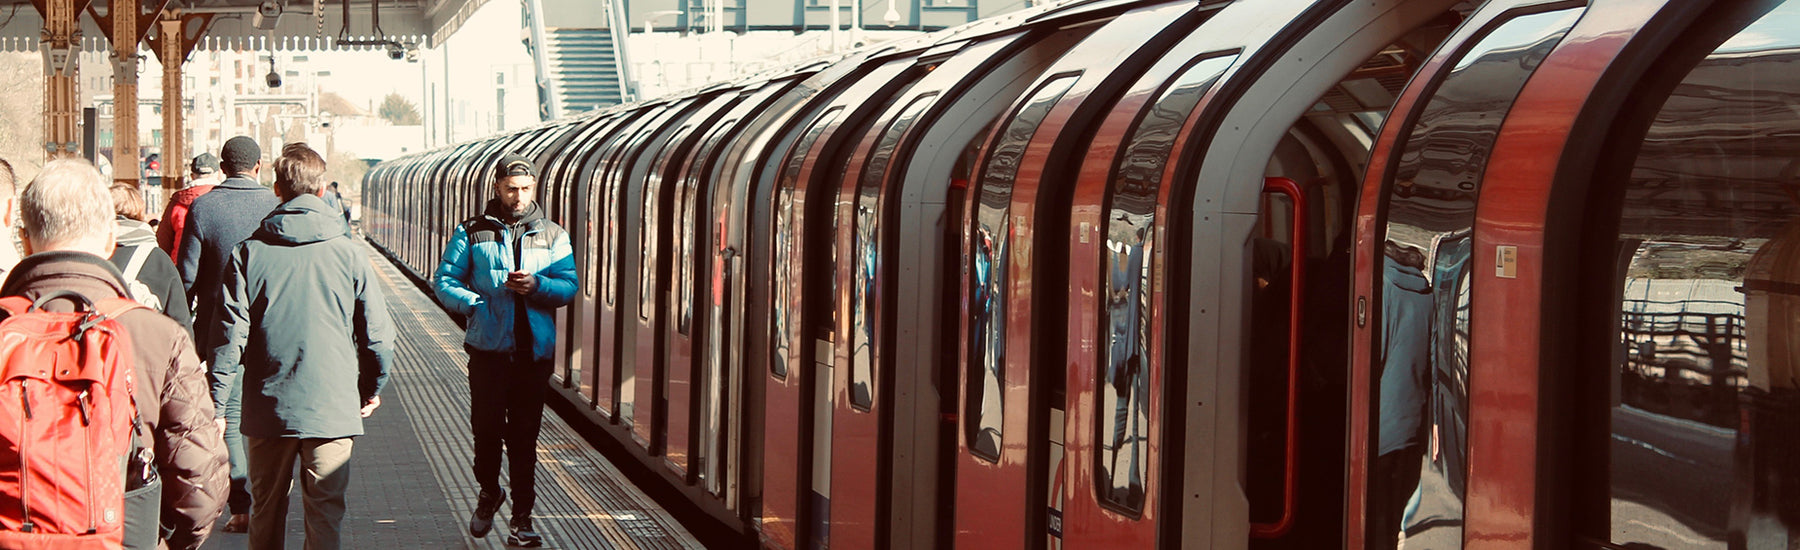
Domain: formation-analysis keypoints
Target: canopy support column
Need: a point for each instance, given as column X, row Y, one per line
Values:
column 125, row 91
column 60, row 46
column 174, row 41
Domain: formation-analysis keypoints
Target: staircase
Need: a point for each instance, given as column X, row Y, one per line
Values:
column 584, row 64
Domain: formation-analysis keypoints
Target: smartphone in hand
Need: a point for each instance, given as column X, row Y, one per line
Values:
column 519, row 281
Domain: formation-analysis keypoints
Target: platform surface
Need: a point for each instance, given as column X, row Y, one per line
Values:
column 411, row 483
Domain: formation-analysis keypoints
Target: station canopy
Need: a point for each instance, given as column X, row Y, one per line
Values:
column 236, row 25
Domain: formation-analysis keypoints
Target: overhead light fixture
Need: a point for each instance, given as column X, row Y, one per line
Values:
column 268, row 13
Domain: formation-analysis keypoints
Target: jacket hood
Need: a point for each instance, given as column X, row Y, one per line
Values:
column 128, row 232
column 89, row 274
column 306, row 219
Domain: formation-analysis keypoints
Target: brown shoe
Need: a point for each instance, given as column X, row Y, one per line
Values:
column 239, row 523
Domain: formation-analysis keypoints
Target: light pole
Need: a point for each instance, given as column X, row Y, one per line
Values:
column 662, row 72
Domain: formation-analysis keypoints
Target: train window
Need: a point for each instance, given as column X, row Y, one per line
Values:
column 788, row 234
column 613, row 173
column 593, row 250
column 1121, row 457
column 1422, row 364
column 607, row 233
column 992, row 236
column 650, row 217
column 686, row 264
column 866, row 254
column 1698, row 410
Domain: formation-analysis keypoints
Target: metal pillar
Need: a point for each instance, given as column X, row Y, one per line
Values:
column 174, row 40
column 174, row 149
column 60, row 46
column 125, row 91
column 549, row 105
column 621, row 35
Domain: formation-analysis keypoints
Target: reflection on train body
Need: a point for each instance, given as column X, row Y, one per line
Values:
column 1704, row 399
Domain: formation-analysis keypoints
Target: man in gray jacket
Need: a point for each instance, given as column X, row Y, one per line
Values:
column 306, row 324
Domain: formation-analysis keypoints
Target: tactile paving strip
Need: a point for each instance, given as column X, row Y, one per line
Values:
column 583, row 500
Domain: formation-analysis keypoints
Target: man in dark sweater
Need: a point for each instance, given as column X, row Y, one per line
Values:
column 217, row 222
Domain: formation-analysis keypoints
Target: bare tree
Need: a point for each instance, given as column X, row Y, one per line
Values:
column 330, row 102
column 398, row 110
column 345, row 168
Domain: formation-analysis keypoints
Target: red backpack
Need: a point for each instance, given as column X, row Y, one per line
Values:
column 67, row 423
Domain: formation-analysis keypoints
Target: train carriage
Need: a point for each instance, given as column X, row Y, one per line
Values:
column 1202, row 274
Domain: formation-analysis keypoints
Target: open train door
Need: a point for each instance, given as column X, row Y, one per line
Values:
column 1462, row 433
column 1683, row 281
column 1167, row 234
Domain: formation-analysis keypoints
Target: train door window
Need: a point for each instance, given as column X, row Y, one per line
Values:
column 586, row 148
column 787, row 237
column 1420, row 465
column 596, row 234
column 686, row 263
column 611, row 176
column 1696, row 415
column 992, row 237
column 1122, row 457
column 866, row 255
column 593, row 153
column 650, row 216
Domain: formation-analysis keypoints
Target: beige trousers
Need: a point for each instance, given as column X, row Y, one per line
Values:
column 324, row 476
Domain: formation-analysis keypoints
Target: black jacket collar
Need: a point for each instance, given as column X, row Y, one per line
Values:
column 240, row 182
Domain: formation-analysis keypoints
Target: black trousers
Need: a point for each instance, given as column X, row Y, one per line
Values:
column 506, row 407
column 1393, row 479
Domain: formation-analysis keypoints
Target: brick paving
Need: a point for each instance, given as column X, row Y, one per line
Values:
column 411, row 483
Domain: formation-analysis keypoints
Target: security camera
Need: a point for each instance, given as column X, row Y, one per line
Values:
column 274, row 79
column 395, row 51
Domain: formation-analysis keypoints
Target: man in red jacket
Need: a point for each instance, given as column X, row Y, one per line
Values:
column 204, row 174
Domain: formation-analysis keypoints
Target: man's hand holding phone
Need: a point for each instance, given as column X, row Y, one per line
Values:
column 521, row 282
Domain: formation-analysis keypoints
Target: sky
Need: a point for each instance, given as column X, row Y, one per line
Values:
column 487, row 40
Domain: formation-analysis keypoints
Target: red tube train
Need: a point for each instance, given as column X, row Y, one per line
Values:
column 1369, row 274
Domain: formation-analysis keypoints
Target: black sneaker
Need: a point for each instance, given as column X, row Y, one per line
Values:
column 485, row 506
column 523, row 536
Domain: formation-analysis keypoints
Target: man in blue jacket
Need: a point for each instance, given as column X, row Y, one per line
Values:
column 507, row 270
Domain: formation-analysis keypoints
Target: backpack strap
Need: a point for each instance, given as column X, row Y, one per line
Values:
column 140, row 469
column 112, row 308
column 139, row 253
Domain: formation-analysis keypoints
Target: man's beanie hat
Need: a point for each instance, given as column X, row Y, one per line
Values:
column 241, row 151
column 514, row 165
